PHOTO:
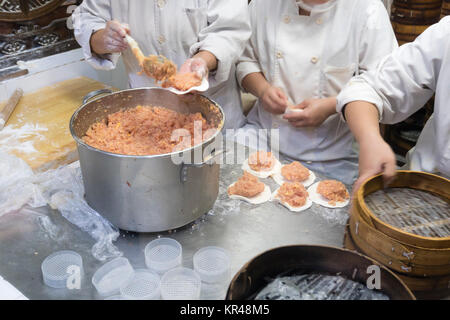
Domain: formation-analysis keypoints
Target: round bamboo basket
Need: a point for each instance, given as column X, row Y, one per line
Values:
column 418, row 4
column 423, row 288
column 445, row 11
column 415, row 17
column 422, row 181
column 399, row 256
column 412, row 17
column 422, row 262
column 407, row 32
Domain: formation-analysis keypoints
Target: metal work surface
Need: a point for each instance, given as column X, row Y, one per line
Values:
column 245, row 230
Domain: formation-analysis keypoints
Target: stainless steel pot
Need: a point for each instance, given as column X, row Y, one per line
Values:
column 146, row 193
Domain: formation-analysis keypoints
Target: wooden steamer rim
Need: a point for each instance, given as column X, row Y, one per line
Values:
column 423, row 288
column 400, row 257
column 406, row 179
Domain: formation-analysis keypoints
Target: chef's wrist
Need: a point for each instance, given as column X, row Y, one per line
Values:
column 261, row 89
column 371, row 137
column 96, row 37
column 331, row 105
column 209, row 59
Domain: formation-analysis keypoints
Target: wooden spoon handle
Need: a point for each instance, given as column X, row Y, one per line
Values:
column 135, row 49
column 8, row 109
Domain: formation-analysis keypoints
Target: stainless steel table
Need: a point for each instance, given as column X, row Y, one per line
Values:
column 244, row 230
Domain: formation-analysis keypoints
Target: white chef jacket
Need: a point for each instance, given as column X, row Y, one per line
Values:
column 314, row 57
column 402, row 83
column 177, row 30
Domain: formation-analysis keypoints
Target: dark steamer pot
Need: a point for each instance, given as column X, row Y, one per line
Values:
column 291, row 260
column 147, row 193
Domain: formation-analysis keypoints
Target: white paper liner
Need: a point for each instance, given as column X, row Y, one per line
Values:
column 262, row 174
column 259, row 199
column 278, row 177
column 307, row 205
column 204, row 86
column 320, row 200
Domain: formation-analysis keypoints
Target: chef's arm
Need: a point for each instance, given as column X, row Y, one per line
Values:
column 375, row 155
column 89, row 19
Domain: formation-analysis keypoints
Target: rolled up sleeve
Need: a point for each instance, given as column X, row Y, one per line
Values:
column 88, row 18
column 404, row 80
column 225, row 36
column 359, row 90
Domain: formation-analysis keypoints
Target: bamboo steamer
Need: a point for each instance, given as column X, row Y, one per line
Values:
column 401, row 257
column 445, row 11
column 407, row 32
column 411, row 180
column 422, row 262
column 422, row 287
column 415, row 17
column 418, row 4
column 412, row 17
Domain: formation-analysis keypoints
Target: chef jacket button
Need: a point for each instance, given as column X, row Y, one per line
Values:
column 275, row 125
column 314, row 60
column 279, row 55
column 161, row 3
column 319, row 21
column 161, row 39
column 287, row 19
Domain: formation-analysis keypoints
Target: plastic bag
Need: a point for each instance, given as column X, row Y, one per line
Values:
column 16, row 185
column 63, row 190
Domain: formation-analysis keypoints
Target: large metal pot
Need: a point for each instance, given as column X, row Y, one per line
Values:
column 146, row 193
column 303, row 259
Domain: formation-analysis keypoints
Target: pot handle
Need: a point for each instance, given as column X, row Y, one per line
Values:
column 95, row 93
column 207, row 161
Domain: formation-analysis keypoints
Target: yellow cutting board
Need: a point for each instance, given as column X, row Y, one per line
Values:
column 52, row 107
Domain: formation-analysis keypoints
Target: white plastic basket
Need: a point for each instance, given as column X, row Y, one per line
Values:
column 180, row 284
column 163, row 254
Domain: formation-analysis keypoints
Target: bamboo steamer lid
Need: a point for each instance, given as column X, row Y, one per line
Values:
column 438, row 187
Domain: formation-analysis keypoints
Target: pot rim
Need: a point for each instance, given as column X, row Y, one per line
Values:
column 79, row 141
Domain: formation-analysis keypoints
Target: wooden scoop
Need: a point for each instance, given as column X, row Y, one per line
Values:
column 158, row 67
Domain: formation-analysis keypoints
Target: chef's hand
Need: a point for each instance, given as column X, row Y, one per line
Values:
column 314, row 112
column 111, row 39
column 195, row 65
column 375, row 156
column 273, row 99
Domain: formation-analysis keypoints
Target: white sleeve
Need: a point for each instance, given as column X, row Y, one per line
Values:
column 405, row 80
column 88, row 18
column 225, row 36
column 248, row 62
